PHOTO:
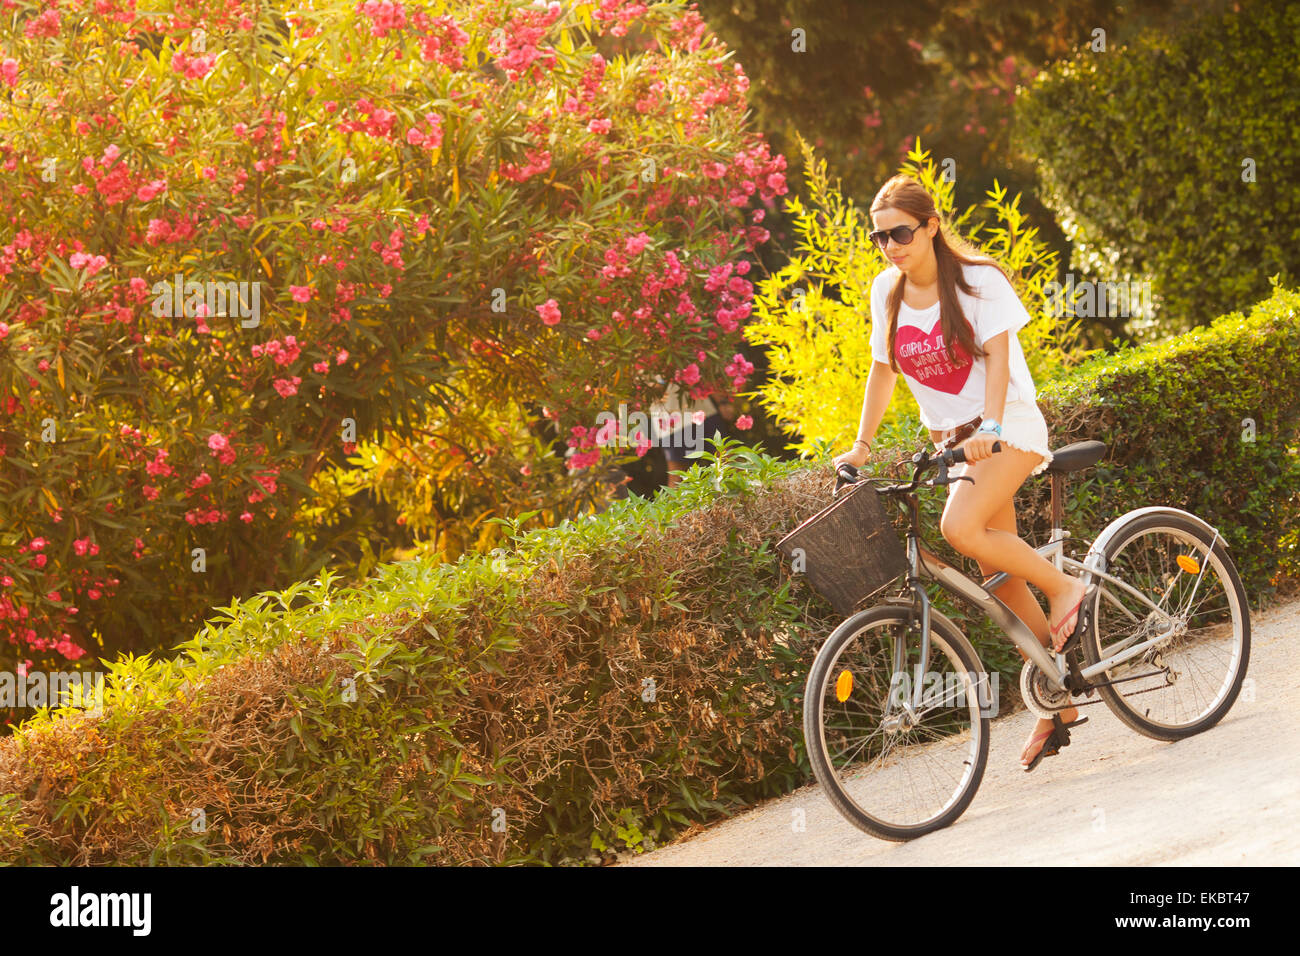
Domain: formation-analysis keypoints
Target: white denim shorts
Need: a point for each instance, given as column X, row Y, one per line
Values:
column 1023, row 427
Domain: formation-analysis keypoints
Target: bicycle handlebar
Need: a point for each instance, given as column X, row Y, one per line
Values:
column 846, row 474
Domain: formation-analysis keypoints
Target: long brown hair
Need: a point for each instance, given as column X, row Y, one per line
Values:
column 951, row 252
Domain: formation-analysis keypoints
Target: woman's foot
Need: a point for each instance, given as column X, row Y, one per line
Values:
column 1042, row 730
column 1068, row 602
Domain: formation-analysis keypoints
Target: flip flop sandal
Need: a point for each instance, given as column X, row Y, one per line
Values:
column 1079, row 624
column 1038, row 756
column 1057, row 737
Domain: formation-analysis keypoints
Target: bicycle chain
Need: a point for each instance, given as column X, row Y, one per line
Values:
column 1089, row 703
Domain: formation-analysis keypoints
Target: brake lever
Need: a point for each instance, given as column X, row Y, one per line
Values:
column 841, row 482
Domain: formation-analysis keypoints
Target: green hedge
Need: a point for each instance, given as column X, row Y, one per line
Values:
column 515, row 683
column 1141, row 148
column 1206, row 421
column 514, row 688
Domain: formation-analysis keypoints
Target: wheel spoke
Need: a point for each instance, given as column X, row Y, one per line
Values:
column 1205, row 661
column 896, row 769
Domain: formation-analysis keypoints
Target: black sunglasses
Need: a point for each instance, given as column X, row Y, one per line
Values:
column 900, row 234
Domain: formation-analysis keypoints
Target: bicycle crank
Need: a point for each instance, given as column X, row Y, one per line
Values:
column 1042, row 699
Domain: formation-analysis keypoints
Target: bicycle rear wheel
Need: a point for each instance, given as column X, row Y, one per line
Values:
column 894, row 772
column 1186, row 684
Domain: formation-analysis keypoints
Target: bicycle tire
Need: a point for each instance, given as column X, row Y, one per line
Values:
column 1119, row 705
column 943, row 634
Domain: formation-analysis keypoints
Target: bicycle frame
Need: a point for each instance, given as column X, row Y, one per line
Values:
column 925, row 565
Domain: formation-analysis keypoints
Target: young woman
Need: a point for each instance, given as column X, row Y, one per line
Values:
column 946, row 317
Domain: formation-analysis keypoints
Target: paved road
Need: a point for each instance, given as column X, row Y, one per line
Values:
column 1113, row 797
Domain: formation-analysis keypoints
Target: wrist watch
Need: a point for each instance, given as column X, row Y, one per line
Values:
column 990, row 425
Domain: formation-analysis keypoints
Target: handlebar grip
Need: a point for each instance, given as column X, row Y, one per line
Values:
column 845, row 474
column 958, row 455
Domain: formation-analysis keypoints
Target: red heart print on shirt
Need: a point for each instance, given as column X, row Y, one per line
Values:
column 922, row 356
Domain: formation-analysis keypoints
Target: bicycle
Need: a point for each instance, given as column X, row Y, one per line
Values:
column 900, row 747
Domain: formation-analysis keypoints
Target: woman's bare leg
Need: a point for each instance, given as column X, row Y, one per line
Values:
column 966, row 526
column 1014, row 592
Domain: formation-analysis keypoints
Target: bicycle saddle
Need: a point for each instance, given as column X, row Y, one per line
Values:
column 1076, row 456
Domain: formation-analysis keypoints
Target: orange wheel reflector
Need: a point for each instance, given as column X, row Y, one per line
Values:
column 844, row 686
column 1188, row 563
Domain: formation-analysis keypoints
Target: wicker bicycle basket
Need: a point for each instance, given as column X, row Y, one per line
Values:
column 849, row 550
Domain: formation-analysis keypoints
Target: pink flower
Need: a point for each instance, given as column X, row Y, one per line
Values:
column 739, row 369
column 583, row 459
column 159, row 465
column 194, row 68
column 550, row 312
column 150, row 190
column 300, row 293
column 599, row 126
column 384, row 16
column 9, row 71
column 636, row 243
column 245, row 517
column 150, row 492
column 606, row 433
column 92, row 264
column 69, row 650
column 37, row 544
column 744, row 423
column 341, row 357
column 287, row 387
column 218, row 442
column 689, row 375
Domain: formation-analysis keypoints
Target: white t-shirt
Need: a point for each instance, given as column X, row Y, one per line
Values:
column 951, row 395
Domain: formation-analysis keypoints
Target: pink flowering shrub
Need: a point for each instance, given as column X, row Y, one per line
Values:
column 472, row 227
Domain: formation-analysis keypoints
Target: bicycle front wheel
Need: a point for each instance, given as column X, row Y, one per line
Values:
column 895, row 770
column 1188, row 681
